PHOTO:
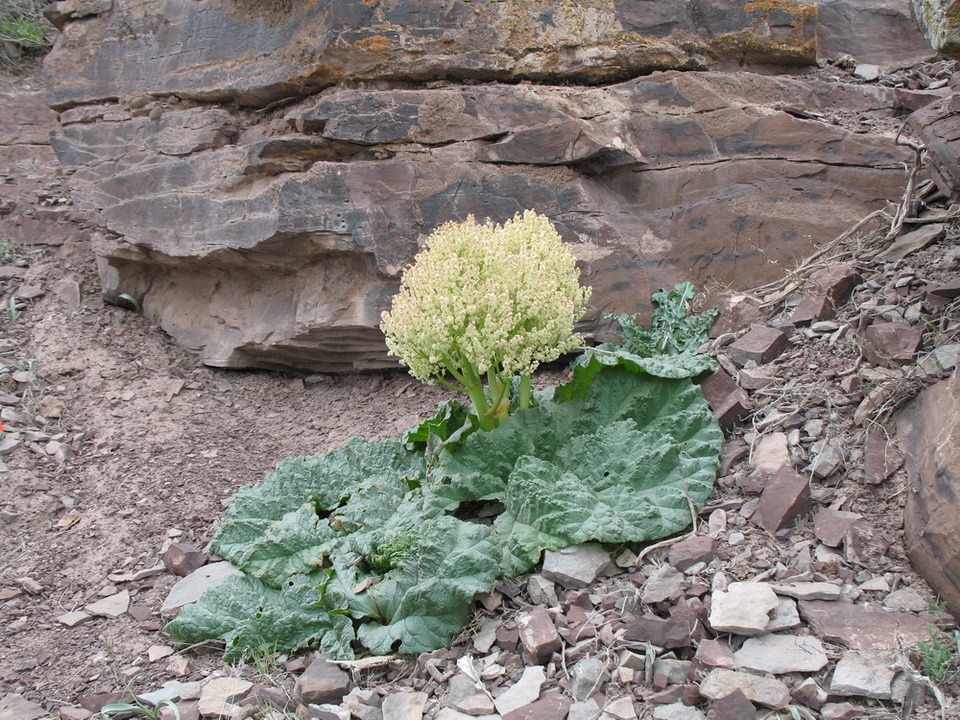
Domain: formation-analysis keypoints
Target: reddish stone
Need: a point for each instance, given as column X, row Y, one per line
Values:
column 74, row 713
column 692, row 550
column 538, row 634
column 835, row 283
column 930, row 430
column 737, row 310
column 140, row 613
column 891, row 343
column 185, row 711
column 862, row 627
column 830, row 526
column 948, row 290
column 551, row 705
column 729, row 402
column 761, row 344
column 667, row 697
column 322, row 682
column 754, row 483
column 734, row 706
column 812, row 308
column 508, row 637
column 843, row 711
column 183, row 558
column 715, row 653
column 733, row 452
column 786, row 497
column 663, row 632
column 850, row 384
column 881, row 458
column 96, row 701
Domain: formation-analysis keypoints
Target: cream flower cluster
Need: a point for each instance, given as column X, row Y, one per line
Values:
column 487, row 299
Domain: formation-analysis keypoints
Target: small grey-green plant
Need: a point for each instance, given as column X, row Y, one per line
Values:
column 134, row 706
column 793, row 712
column 139, row 709
column 13, row 252
column 14, row 308
column 938, row 654
column 935, row 606
column 674, row 330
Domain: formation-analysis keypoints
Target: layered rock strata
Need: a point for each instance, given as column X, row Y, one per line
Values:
column 260, row 173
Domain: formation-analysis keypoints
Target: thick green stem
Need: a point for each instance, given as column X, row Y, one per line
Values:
column 526, row 392
column 473, row 385
column 481, row 406
column 499, row 392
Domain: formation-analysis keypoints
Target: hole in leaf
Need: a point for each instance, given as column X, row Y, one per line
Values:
column 479, row 511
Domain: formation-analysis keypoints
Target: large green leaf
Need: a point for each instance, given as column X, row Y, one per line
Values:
column 305, row 508
column 624, row 462
column 376, row 533
column 252, row 617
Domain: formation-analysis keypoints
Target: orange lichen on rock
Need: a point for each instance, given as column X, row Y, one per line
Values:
column 374, row 43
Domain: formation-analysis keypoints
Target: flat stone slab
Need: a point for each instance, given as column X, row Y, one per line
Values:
column 865, row 674
column 778, row 654
column 761, row 690
column 771, row 453
column 17, row 707
column 190, row 588
column 830, row 526
column 524, row 692
column 577, row 566
column 808, row 590
column 113, row 606
column 665, row 583
column 404, row 706
column 218, row 697
column 862, row 627
column 913, row 241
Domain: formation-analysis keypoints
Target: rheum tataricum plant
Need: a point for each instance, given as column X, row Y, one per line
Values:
column 483, row 304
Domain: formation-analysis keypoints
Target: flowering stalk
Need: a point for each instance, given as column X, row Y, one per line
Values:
column 483, row 304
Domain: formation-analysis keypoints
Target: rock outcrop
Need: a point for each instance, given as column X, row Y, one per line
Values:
column 30, row 207
column 940, row 22
column 260, row 173
column 938, row 126
column 930, row 431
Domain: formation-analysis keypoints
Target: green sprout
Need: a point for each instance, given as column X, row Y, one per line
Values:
column 485, row 304
column 937, row 654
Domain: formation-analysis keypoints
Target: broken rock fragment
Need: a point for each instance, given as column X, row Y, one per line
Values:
column 735, row 706
column 322, row 682
column 538, row 634
column 891, row 343
column 577, row 566
column 761, row 344
column 785, row 498
column 728, row 401
column 824, row 292
column 761, row 690
column 743, row 608
column 866, row 674
column 182, row 558
column 524, row 692
column 779, row 654
column 862, row 627
column 830, row 526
